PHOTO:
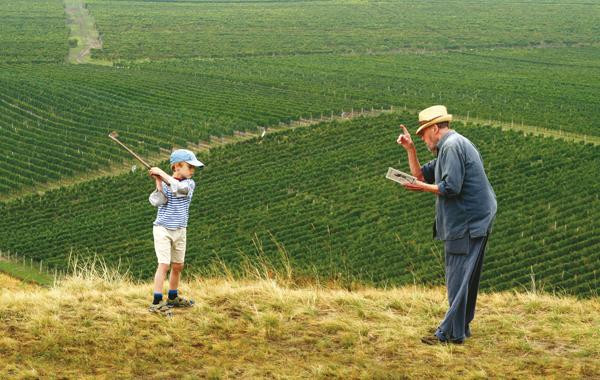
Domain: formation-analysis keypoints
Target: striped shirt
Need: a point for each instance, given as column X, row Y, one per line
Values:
column 174, row 214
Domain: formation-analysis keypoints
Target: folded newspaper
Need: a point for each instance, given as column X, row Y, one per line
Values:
column 400, row 177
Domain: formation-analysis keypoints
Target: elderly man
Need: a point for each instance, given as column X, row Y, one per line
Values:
column 465, row 209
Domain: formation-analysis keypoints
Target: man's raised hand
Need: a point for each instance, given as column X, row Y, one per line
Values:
column 404, row 139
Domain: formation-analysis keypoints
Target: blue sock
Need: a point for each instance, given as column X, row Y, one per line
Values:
column 172, row 294
column 157, row 298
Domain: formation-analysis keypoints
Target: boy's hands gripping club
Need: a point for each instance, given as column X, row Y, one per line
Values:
column 157, row 178
column 157, row 173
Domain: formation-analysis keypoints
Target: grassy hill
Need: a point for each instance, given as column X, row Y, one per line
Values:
column 318, row 197
column 87, row 327
column 25, row 272
column 306, row 262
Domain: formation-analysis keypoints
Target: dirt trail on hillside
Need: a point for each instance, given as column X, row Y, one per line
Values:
column 83, row 29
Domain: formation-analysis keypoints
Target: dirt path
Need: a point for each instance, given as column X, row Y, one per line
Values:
column 83, row 29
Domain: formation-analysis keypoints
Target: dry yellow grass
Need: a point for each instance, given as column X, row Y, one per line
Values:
column 95, row 328
column 10, row 283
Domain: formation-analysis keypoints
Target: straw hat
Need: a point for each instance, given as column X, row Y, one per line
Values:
column 433, row 115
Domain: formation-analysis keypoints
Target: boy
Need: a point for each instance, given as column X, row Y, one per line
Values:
column 172, row 196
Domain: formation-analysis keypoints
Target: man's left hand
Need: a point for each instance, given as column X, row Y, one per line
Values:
column 417, row 186
column 422, row 186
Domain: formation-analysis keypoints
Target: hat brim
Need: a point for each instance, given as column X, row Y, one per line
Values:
column 440, row 119
column 195, row 163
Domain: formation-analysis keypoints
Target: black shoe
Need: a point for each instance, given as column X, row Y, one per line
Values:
column 433, row 340
column 180, row 302
column 439, row 338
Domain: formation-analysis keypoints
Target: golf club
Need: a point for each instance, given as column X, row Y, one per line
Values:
column 113, row 136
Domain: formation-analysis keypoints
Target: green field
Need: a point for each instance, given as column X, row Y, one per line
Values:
column 25, row 271
column 32, row 31
column 319, row 193
column 135, row 30
column 184, row 71
column 58, row 116
column 550, row 88
column 55, row 119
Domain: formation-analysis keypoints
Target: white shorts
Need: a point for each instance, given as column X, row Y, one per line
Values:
column 169, row 244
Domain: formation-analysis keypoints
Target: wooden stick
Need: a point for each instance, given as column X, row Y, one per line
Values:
column 113, row 136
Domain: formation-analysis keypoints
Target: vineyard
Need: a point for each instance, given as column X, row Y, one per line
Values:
column 318, row 195
column 185, row 73
column 551, row 88
column 134, row 30
column 32, row 31
column 54, row 118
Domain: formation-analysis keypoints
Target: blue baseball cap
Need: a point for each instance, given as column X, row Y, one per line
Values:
column 184, row 155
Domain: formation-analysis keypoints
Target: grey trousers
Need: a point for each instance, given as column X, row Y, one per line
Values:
column 462, row 282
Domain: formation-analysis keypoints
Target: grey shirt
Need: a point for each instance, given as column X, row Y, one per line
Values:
column 466, row 203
